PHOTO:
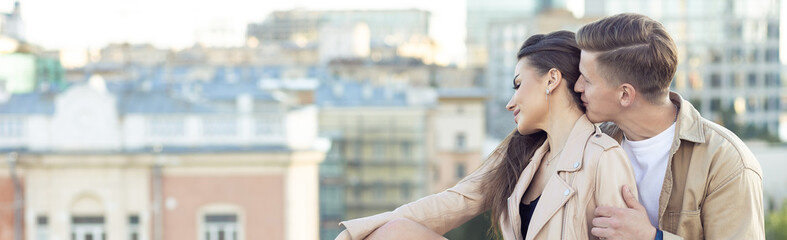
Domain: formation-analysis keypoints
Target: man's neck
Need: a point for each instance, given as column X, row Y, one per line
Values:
column 647, row 120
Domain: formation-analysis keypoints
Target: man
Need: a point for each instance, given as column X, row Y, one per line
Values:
column 696, row 179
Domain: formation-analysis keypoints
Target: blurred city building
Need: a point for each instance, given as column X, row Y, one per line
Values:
column 376, row 34
column 12, row 25
column 24, row 72
column 411, row 72
column 456, row 136
column 729, row 60
column 482, row 13
column 155, row 160
column 392, row 144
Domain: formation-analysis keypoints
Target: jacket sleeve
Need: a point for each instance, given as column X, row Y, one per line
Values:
column 439, row 212
column 733, row 209
column 614, row 170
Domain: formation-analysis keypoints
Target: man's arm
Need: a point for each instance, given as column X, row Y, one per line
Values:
column 733, row 210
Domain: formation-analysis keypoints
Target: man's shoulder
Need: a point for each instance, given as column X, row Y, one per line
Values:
column 725, row 149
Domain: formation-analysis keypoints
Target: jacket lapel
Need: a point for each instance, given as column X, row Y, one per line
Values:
column 521, row 185
column 557, row 191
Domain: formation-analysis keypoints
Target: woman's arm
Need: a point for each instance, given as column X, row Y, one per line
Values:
column 614, row 170
column 439, row 212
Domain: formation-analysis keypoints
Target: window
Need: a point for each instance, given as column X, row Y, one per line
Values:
column 87, row 228
column 221, row 227
column 42, row 228
column 752, row 80
column 772, row 80
column 167, row 127
column 772, row 55
column 715, row 104
column 331, row 200
column 773, row 30
column 133, row 227
column 11, row 127
column 460, row 170
column 406, row 151
column 715, row 80
column 460, row 142
column 219, row 126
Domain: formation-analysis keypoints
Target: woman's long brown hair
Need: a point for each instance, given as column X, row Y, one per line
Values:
column 554, row 50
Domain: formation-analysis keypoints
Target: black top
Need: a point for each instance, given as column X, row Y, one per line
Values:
column 526, row 213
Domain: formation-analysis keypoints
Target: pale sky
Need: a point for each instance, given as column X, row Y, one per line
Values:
column 75, row 24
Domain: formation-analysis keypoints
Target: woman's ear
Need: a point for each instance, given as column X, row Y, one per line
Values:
column 554, row 79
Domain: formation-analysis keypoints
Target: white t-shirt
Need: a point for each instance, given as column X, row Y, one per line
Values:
column 649, row 159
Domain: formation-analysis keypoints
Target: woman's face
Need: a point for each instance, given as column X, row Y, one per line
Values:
column 529, row 100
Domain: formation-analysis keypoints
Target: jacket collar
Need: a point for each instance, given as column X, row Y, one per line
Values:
column 689, row 124
column 557, row 191
column 570, row 159
column 566, row 161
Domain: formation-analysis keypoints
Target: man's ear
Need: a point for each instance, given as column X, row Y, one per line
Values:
column 627, row 94
column 554, row 78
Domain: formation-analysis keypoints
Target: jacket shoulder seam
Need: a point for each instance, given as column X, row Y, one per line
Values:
column 730, row 141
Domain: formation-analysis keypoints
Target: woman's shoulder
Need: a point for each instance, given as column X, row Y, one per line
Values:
column 602, row 140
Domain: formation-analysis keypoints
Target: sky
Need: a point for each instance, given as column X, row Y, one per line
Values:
column 92, row 24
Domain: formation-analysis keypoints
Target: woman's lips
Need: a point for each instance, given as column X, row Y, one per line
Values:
column 516, row 113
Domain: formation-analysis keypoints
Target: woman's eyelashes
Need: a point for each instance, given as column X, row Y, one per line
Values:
column 516, row 86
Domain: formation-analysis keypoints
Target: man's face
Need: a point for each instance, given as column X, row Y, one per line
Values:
column 600, row 98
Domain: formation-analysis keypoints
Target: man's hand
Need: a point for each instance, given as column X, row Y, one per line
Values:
column 623, row 223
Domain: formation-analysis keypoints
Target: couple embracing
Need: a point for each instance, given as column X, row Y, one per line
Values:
column 653, row 169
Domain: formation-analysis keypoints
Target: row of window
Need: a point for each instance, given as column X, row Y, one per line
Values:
column 13, row 127
column 176, row 127
column 736, row 80
column 738, row 55
column 742, row 105
column 380, row 191
column 216, row 227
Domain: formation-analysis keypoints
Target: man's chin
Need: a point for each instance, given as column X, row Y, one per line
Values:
column 595, row 119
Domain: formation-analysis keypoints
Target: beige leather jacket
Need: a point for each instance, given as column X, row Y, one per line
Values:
column 713, row 185
column 591, row 171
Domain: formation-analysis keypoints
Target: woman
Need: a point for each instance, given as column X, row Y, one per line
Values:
column 546, row 178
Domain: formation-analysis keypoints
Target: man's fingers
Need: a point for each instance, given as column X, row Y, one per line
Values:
column 601, row 232
column 629, row 198
column 603, row 222
column 604, row 211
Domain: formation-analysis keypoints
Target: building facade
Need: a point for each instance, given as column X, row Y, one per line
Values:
column 103, row 161
column 393, row 144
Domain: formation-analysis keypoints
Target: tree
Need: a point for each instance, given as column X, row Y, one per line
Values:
column 776, row 223
column 476, row 228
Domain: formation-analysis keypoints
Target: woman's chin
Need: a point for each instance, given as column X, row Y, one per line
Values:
column 523, row 131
